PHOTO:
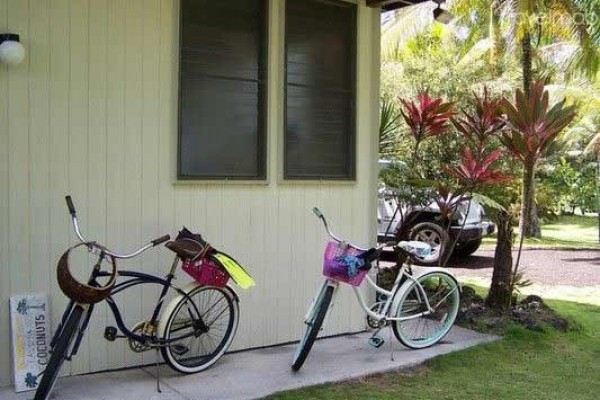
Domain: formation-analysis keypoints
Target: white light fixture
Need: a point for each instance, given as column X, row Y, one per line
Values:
column 12, row 51
column 440, row 15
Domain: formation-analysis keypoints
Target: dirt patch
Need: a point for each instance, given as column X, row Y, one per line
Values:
column 531, row 313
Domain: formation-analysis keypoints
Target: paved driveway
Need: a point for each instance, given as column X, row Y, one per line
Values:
column 563, row 274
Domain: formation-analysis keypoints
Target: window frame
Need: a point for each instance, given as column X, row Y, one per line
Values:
column 352, row 137
column 262, row 109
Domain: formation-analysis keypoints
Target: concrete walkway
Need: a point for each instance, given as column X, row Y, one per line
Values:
column 258, row 373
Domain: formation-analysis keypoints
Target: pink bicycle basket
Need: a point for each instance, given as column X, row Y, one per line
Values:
column 334, row 269
column 206, row 272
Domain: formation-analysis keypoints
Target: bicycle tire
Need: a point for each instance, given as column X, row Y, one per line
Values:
column 447, row 301
column 58, row 354
column 313, row 328
column 197, row 363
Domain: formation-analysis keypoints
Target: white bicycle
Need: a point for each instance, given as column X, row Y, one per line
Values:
column 421, row 308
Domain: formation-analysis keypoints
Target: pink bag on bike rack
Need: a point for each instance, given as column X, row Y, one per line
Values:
column 335, row 267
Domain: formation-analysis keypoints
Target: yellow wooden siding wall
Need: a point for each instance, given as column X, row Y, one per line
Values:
column 92, row 111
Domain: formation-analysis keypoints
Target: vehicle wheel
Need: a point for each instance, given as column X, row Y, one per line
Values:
column 313, row 326
column 206, row 322
column 435, row 236
column 443, row 295
column 466, row 249
column 59, row 352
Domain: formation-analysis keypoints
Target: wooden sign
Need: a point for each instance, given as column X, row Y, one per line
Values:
column 30, row 334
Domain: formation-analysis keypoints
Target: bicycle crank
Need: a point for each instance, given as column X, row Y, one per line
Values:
column 376, row 323
column 142, row 327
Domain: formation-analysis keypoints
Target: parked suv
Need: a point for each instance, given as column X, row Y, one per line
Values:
column 426, row 225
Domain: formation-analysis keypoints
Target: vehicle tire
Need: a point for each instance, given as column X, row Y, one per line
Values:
column 435, row 236
column 313, row 327
column 468, row 248
column 59, row 352
column 208, row 318
column 443, row 295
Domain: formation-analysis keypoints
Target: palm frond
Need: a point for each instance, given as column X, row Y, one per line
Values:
column 389, row 125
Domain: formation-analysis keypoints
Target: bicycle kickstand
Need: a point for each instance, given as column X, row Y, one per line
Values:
column 391, row 345
column 158, row 389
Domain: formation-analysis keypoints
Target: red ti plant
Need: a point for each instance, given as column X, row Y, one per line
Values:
column 474, row 173
column 532, row 127
column 480, row 127
column 475, row 170
column 426, row 117
column 483, row 124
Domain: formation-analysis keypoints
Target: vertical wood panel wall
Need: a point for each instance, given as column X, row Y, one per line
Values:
column 93, row 112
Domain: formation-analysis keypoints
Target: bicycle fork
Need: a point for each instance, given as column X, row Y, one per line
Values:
column 311, row 310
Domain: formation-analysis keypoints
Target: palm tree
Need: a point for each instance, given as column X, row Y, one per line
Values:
column 558, row 31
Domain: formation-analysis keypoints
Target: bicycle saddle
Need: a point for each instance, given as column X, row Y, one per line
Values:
column 188, row 249
column 415, row 248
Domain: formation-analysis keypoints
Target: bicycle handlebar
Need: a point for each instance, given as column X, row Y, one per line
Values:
column 160, row 240
column 321, row 216
column 70, row 205
column 75, row 222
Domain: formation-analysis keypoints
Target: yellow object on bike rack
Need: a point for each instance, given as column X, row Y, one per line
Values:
column 235, row 270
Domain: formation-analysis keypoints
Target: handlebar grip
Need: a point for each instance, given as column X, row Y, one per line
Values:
column 160, row 240
column 70, row 205
column 317, row 212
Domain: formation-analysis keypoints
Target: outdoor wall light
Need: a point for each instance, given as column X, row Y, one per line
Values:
column 440, row 15
column 12, row 51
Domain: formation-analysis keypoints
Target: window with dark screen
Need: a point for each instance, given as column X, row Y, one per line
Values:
column 222, row 89
column 320, row 105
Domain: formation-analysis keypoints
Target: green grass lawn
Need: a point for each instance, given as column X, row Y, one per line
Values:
column 524, row 365
column 568, row 232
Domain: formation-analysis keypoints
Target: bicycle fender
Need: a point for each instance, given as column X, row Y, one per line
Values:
column 416, row 276
column 168, row 310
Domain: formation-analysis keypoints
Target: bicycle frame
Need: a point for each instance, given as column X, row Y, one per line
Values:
column 136, row 278
column 403, row 276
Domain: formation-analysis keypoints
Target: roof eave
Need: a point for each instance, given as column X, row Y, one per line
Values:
column 388, row 5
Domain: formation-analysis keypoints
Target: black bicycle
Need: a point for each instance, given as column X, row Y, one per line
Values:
column 192, row 333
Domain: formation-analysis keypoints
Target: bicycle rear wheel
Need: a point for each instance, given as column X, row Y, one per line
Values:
column 59, row 352
column 313, row 326
column 206, row 321
column 443, row 295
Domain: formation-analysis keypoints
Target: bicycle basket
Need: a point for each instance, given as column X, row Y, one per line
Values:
column 206, row 272
column 336, row 267
column 80, row 292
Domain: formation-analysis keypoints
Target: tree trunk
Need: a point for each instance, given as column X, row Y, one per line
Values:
column 500, row 291
column 526, row 62
column 496, row 50
column 529, row 224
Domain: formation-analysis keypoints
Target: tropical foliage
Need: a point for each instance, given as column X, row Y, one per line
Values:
column 483, row 47
column 549, row 49
column 532, row 127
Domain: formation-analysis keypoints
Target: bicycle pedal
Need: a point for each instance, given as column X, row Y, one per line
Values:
column 376, row 341
column 110, row 333
column 179, row 349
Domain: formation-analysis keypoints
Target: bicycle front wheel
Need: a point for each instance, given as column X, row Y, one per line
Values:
column 313, row 326
column 423, row 326
column 206, row 322
column 59, row 352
